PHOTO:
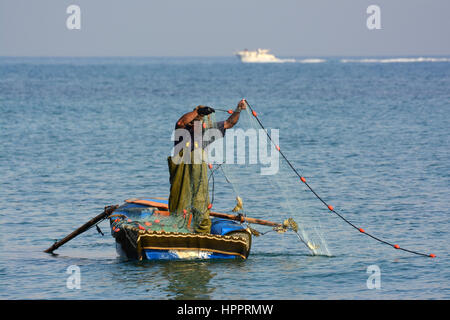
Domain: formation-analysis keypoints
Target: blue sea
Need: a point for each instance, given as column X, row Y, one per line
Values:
column 372, row 136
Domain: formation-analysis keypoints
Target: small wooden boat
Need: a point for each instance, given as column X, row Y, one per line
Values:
column 144, row 230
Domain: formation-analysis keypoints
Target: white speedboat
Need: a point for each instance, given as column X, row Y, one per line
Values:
column 261, row 55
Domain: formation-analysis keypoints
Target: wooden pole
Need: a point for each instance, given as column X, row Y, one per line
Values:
column 214, row 214
column 107, row 212
column 241, row 218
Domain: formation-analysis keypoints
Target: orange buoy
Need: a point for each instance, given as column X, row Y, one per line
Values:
column 254, row 113
column 330, row 207
column 148, row 223
column 277, row 147
column 432, row 255
column 157, row 221
column 396, row 246
column 361, row 230
column 230, row 111
column 303, row 179
column 210, row 206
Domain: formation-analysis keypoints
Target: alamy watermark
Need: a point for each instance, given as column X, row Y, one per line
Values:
column 373, row 22
column 211, row 146
column 374, row 280
column 74, row 279
column 73, row 21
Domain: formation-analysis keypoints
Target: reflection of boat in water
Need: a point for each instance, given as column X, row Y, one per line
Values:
column 259, row 56
column 144, row 229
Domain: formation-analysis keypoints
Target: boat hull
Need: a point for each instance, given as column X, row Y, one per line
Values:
column 227, row 240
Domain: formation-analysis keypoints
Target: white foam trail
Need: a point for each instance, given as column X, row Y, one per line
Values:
column 272, row 61
column 287, row 60
column 311, row 61
column 396, row 60
column 278, row 60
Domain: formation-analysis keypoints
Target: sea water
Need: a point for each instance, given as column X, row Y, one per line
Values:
column 371, row 136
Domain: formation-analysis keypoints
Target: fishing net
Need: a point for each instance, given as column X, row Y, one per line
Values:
column 256, row 173
column 188, row 203
column 151, row 219
column 246, row 175
column 189, row 193
column 263, row 184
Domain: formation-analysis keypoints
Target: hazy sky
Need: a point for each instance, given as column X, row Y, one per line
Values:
column 219, row 28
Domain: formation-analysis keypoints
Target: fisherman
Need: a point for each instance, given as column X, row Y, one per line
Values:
column 189, row 193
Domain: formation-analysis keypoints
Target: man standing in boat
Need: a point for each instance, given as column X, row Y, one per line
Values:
column 189, row 192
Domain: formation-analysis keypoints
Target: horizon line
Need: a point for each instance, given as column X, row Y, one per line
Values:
column 219, row 56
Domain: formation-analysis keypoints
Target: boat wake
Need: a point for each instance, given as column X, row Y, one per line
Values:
column 285, row 60
column 396, row 60
column 311, row 61
column 280, row 60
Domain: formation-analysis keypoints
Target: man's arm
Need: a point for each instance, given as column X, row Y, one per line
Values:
column 234, row 118
column 186, row 118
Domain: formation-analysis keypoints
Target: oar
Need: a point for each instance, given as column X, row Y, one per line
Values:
column 105, row 214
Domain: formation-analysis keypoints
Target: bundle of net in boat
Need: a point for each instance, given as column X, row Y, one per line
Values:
column 255, row 173
column 155, row 219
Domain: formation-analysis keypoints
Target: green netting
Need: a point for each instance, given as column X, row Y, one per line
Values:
column 151, row 219
column 276, row 196
column 189, row 183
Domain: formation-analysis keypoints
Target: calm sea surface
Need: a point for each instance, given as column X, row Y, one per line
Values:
column 372, row 138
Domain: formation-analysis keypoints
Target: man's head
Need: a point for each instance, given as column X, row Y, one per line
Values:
column 201, row 112
column 199, row 116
